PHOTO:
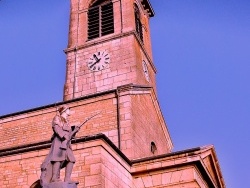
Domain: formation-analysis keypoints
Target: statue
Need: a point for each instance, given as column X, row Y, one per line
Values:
column 60, row 154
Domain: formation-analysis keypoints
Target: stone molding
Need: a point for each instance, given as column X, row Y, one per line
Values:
column 175, row 160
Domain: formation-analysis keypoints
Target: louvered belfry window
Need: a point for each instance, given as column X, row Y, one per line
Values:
column 138, row 23
column 100, row 20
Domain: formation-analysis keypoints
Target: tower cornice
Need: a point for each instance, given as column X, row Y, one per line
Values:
column 148, row 7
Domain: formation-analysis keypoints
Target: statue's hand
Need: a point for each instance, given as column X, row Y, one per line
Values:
column 77, row 128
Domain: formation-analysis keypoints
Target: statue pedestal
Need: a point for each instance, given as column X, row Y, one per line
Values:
column 60, row 185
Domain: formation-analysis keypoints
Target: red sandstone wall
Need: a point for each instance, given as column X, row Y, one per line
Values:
column 22, row 170
column 186, row 177
column 35, row 126
column 121, row 71
column 126, row 53
column 124, row 21
column 141, row 79
column 169, row 172
column 128, row 22
column 100, row 165
column 125, row 67
column 142, row 123
column 97, row 165
column 147, row 127
column 78, row 22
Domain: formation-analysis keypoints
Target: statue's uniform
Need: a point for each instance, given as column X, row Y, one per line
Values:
column 61, row 129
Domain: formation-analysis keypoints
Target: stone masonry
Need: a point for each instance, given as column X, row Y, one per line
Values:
column 127, row 145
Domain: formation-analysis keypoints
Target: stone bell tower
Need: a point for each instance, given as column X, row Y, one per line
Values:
column 109, row 46
column 109, row 49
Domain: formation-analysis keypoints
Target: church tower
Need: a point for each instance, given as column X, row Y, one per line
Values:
column 109, row 49
column 110, row 76
column 109, row 46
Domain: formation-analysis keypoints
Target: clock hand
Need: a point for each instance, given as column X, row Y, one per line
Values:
column 98, row 60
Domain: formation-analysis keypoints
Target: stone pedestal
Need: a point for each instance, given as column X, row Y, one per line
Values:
column 60, row 185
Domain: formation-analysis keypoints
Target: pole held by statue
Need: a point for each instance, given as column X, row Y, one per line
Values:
column 64, row 143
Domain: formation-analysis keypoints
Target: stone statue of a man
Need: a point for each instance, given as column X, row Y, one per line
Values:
column 60, row 154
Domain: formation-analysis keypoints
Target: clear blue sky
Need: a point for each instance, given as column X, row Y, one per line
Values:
column 201, row 50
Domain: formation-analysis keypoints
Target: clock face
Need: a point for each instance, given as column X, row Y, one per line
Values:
column 98, row 61
column 145, row 70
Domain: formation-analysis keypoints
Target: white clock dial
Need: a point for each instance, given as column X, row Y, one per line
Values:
column 98, row 61
column 145, row 70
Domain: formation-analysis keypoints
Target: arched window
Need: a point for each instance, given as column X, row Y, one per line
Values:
column 100, row 19
column 153, row 147
column 138, row 24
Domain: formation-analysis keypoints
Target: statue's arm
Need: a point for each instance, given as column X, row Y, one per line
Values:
column 57, row 128
column 59, row 132
column 74, row 131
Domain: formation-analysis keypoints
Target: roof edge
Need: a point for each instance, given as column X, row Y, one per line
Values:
column 46, row 144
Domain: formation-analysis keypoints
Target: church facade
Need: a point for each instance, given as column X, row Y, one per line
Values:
column 109, row 71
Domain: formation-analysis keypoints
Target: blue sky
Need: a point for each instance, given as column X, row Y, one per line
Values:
column 200, row 48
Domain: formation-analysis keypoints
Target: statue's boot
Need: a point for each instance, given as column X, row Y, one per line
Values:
column 68, row 171
column 56, row 172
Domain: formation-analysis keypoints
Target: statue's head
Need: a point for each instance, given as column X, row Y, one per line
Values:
column 63, row 109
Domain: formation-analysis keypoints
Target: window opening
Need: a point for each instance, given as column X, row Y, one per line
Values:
column 153, row 147
column 138, row 24
column 100, row 20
